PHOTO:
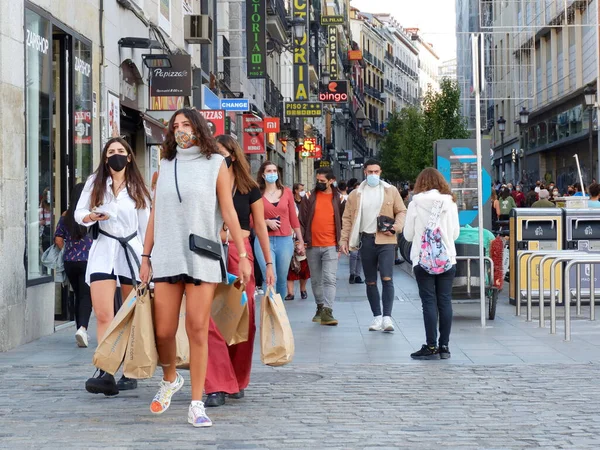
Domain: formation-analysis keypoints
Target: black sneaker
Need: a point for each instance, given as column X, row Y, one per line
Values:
column 397, row 262
column 426, row 352
column 237, row 395
column 351, row 279
column 104, row 383
column 126, row 384
column 215, row 399
column 358, row 280
column 444, row 352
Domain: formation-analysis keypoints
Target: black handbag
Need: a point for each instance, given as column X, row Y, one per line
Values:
column 209, row 249
column 385, row 223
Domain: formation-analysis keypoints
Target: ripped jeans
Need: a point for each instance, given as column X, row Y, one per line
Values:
column 378, row 257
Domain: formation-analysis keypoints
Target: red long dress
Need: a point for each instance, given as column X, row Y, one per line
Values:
column 229, row 367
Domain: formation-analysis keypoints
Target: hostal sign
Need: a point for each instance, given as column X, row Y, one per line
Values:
column 332, row 53
column 256, row 38
column 301, row 79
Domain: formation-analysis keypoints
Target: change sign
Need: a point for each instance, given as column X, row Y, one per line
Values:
column 256, row 38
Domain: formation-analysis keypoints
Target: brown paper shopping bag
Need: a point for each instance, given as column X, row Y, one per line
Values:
column 111, row 349
column 276, row 338
column 183, row 344
column 141, row 356
column 227, row 311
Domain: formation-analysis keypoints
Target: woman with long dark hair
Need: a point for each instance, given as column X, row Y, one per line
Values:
column 433, row 202
column 191, row 201
column 117, row 200
column 228, row 371
column 75, row 241
column 281, row 219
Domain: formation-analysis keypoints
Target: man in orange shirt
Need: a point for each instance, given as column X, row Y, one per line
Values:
column 321, row 224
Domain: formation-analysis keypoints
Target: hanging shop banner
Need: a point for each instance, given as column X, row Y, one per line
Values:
column 301, row 77
column 332, row 53
column 174, row 81
column 355, row 55
column 113, row 115
column 334, row 92
column 231, row 124
column 303, row 109
column 215, row 120
column 332, row 20
column 254, row 136
column 256, row 38
column 83, row 127
column 272, row 125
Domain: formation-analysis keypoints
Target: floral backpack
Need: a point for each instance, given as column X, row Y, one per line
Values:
column 433, row 256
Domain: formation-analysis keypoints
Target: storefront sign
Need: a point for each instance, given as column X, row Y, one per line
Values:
column 83, row 127
column 254, row 136
column 174, row 81
column 334, row 92
column 235, row 104
column 355, row 55
column 301, row 77
column 342, row 156
column 332, row 20
column 272, row 125
column 231, row 124
column 303, row 109
column 322, row 164
column 309, row 148
column 256, row 38
column 215, row 120
column 37, row 42
column 129, row 85
column 332, row 53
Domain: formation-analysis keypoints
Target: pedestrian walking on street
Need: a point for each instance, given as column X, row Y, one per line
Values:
column 76, row 242
column 228, row 370
column 373, row 215
column 282, row 220
column 433, row 198
column 321, row 223
column 355, row 263
column 507, row 203
column 192, row 200
column 544, row 201
column 116, row 202
column 298, row 270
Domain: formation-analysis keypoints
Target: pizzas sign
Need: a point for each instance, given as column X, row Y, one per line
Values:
column 215, row 118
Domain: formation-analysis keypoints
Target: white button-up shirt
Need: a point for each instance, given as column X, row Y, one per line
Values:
column 107, row 255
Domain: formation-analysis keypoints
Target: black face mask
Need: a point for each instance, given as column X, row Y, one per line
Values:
column 228, row 161
column 117, row 162
column 321, row 186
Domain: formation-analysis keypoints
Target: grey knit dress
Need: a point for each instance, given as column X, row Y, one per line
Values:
column 198, row 213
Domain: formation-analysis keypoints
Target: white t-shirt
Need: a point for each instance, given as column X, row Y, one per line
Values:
column 372, row 198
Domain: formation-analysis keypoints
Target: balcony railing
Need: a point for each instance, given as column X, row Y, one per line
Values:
column 375, row 93
column 273, row 98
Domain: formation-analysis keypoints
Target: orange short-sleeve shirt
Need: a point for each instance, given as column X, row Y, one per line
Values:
column 323, row 224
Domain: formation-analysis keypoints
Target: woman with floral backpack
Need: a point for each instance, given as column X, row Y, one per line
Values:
column 432, row 225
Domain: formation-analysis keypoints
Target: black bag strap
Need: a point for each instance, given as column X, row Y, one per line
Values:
column 124, row 241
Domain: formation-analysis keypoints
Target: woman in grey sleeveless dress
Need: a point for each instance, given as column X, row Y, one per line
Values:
column 192, row 196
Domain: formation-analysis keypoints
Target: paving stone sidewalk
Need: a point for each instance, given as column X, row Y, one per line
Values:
column 508, row 386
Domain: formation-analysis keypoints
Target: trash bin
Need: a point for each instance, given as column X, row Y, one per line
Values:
column 533, row 229
column 582, row 230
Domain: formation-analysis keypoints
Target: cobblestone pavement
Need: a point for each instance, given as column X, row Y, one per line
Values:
column 508, row 386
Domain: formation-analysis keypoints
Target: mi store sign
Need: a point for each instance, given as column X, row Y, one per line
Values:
column 301, row 78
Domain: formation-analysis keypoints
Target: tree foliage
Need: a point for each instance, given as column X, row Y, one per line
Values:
column 408, row 147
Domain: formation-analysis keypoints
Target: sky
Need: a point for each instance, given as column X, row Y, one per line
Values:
column 435, row 18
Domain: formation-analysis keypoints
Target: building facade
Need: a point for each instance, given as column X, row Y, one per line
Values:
column 549, row 68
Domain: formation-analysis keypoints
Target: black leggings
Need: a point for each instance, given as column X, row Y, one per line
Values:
column 75, row 271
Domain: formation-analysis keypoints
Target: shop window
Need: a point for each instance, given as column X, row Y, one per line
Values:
column 542, row 133
column 40, row 202
column 576, row 119
column 553, row 129
column 563, row 126
column 82, row 87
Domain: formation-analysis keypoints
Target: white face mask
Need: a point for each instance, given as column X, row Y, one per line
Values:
column 302, row 193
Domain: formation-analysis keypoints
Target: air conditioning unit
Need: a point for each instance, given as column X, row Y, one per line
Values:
column 198, row 29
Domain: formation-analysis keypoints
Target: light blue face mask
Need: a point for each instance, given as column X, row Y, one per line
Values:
column 373, row 180
column 271, row 177
column 334, row 184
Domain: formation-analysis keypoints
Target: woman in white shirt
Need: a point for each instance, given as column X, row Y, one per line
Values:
column 116, row 198
column 431, row 189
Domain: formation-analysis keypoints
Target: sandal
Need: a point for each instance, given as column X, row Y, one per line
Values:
column 289, row 297
column 304, row 295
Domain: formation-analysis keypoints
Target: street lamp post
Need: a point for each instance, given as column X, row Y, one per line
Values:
column 590, row 101
column 502, row 128
column 524, row 120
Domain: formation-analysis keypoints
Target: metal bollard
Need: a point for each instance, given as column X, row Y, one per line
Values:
column 589, row 259
column 577, row 287
column 592, row 292
column 548, row 257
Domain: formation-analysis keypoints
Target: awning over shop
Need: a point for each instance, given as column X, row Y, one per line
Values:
column 155, row 130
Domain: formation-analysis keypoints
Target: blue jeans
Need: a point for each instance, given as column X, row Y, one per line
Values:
column 436, row 297
column 282, row 250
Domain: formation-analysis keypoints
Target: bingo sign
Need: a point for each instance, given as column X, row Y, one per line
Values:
column 83, row 127
column 254, row 136
column 215, row 119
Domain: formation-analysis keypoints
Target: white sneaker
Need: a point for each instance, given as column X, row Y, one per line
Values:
column 162, row 399
column 387, row 324
column 197, row 415
column 259, row 291
column 81, row 337
column 376, row 325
